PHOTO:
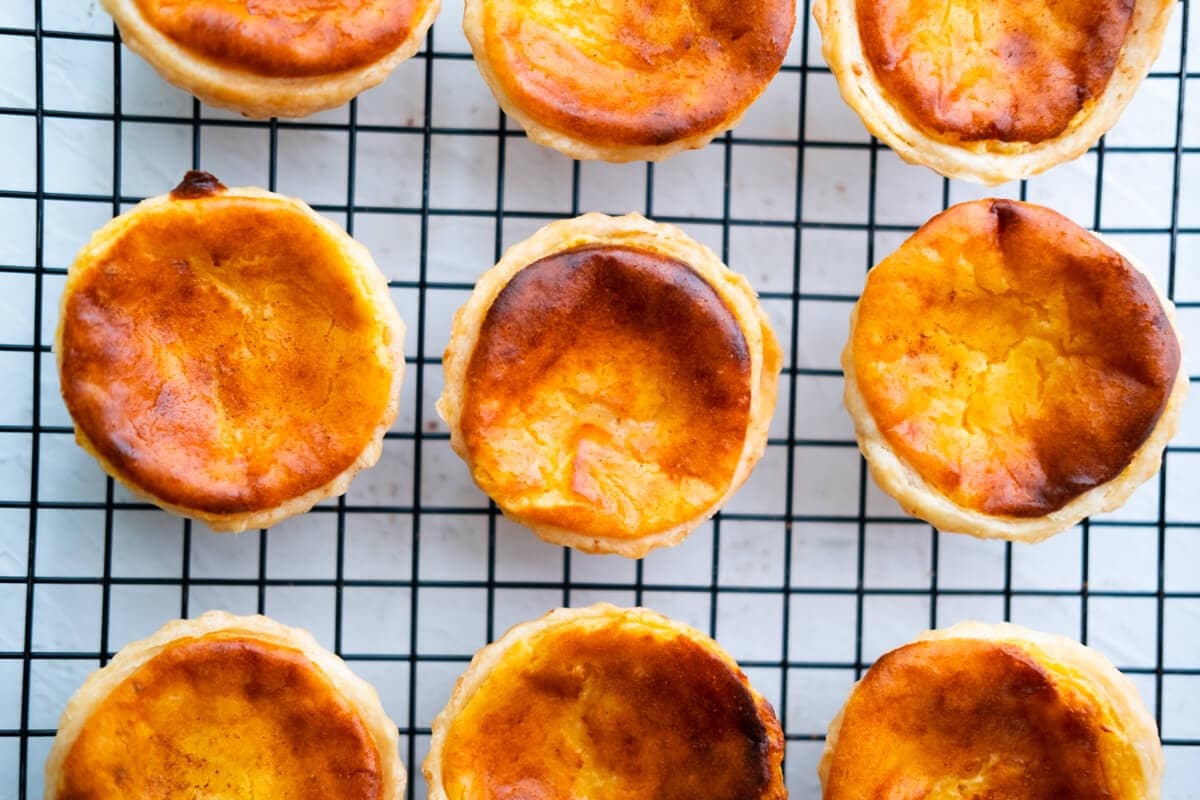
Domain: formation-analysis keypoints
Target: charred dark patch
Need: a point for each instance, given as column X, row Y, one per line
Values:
column 197, row 184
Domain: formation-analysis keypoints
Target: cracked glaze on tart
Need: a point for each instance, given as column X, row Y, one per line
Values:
column 634, row 79
column 993, row 711
column 274, row 57
column 608, row 383
column 229, row 353
column 605, row 703
column 990, row 91
column 1009, row 365
column 225, row 706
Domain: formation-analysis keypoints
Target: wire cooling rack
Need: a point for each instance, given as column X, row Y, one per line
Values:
column 810, row 573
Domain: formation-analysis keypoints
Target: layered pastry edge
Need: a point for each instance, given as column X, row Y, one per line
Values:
column 920, row 498
column 359, row 694
column 1068, row 662
column 988, row 161
column 489, row 658
column 258, row 96
column 637, row 233
column 579, row 147
column 370, row 281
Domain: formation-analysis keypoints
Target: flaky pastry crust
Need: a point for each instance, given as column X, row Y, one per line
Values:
column 1112, row 710
column 921, row 498
column 637, row 234
column 986, row 161
column 215, row 627
column 238, row 87
column 103, row 412
column 622, row 745
column 630, row 80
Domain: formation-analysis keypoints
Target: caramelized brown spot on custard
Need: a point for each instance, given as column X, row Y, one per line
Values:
column 613, row 712
column 635, row 72
column 223, row 716
column 197, row 184
column 286, row 38
column 608, row 393
column 969, row 718
column 1013, row 359
column 222, row 356
column 1006, row 70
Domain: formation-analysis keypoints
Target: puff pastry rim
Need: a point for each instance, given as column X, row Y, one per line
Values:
column 257, row 96
column 493, row 655
column 572, row 146
column 358, row 693
column 370, row 280
column 988, row 162
column 1099, row 679
column 639, row 233
column 920, row 499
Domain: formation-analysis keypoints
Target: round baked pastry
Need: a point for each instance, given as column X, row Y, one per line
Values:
column 630, row 80
column 993, row 711
column 610, row 383
column 225, row 706
column 266, row 58
column 229, row 354
column 990, row 90
column 605, row 703
column 1010, row 373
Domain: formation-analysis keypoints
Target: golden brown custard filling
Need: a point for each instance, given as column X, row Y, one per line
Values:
column 608, row 393
column 1008, row 70
column 1011, row 358
column 635, row 72
column 223, row 716
column 966, row 718
column 286, row 38
column 613, row 712
column 222, row 356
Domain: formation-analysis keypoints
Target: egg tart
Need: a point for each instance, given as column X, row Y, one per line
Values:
column 229, row 354
column 605, row 703
column 1010, row 373
column 273, row 58
column 629, row 80
column 977, row 711
column 610, row 383
column 990, row 90
column 225, row 706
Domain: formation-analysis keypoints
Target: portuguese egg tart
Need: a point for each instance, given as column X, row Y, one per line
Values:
column 225, row 706
column 265, row 58
column 1010, row 373
column 627, row 80
column 977, row 711
column 610, row 383
column 608, row 704
column 229, row 354
column 990, row 90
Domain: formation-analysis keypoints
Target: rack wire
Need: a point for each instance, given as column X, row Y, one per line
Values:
column 875, row 550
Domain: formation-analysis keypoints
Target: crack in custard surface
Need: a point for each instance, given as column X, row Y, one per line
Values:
column 612, row 712
column 1011, row 358
column 608, row 393
column 1005, row 70
column 222, row 356
column 286, row 38
column 223, row 716
column 635, row 72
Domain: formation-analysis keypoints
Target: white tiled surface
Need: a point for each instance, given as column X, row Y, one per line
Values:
column 784, row 598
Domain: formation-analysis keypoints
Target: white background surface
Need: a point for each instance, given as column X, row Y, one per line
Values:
column 783, row 582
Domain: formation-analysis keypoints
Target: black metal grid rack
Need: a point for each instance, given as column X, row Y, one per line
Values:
column 26, row 576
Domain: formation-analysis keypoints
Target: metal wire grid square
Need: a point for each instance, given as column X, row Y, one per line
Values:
column 807, row 576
